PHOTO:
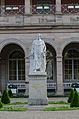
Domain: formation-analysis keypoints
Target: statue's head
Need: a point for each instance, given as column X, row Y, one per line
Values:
column 38, row 36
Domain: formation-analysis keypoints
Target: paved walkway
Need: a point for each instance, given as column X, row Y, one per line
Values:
column 33, row 112
column 40, row 115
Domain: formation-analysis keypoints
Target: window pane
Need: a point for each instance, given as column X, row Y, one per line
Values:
column 68, row 69
column 43, row 7
column 12, row 70
column 21, row 69
column 17, row 66
column 16, row 55
column 76, row 69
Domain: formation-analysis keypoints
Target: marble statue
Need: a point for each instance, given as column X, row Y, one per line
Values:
column 38, row 56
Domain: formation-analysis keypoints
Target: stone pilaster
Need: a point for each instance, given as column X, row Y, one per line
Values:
column 60, row 90
column 27, row 6
column 58, row 6
column 3, row 77
column 2, row 7
column 27, row 65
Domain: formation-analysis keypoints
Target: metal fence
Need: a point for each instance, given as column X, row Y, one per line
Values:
column 38, row 9
column 69, row 8
column 12, row 10
column 47, row 9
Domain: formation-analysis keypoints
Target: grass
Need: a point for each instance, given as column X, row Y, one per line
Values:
column 50, row 102
column 16, row 103
column 59, row 102
column 60, row 108
column 12, row 109
column 20, row 96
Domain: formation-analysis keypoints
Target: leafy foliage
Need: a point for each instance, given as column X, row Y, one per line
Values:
column 5, row 97
column 1, row 105
column 10, row 93
column 75, row 100
column 71, row 95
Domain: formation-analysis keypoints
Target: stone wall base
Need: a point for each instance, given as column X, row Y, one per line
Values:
column 38, row 102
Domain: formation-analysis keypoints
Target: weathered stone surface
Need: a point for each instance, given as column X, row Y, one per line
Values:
column 38, row 56
column 37, row 74
column 38, row 90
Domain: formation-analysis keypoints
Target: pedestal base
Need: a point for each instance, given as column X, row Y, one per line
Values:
column 38, row 102
column 38, row 89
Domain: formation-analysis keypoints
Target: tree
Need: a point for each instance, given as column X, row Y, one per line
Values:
column 10, row 93
column 5, row 97
column 71, row 95
column 75, row 100
column 1, row 105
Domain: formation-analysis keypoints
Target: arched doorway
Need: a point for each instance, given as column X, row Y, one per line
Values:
column 51, row 68
column 70, row 65
column 13, row 67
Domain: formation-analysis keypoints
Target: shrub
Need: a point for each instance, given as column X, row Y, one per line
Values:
column 75, row 100
column 1, row 105
column 71, row 95
column 5, row 97
column 10, row 93
column 74, row 89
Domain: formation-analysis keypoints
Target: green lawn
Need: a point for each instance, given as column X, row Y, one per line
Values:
column 60, row 108
column 58, row 102
column 12, row 109
column 50, row 102
column 16, row 103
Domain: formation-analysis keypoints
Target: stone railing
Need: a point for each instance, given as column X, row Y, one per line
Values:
column 47, row 9
column 69, row 8
column 51, row 86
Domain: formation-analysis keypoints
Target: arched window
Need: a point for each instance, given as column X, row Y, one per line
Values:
column 17, row 65
column 49, row 65
column 71, row 64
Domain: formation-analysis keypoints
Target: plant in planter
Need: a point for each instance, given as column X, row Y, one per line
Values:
column 13, row 88
column 75, row 86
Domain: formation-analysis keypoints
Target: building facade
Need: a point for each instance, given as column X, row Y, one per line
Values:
column 58, row 23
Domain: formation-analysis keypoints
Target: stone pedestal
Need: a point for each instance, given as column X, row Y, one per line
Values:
column 38, row 89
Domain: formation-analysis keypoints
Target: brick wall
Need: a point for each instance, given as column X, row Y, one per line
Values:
column 35, row 1
column 69, row 1
column 14, row 2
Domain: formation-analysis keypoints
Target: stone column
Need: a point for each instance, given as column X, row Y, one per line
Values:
column 27, row 7
column 58, row 6
column 2, row 7
column 60, row 90
column 3, row 75
column 27, row 65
